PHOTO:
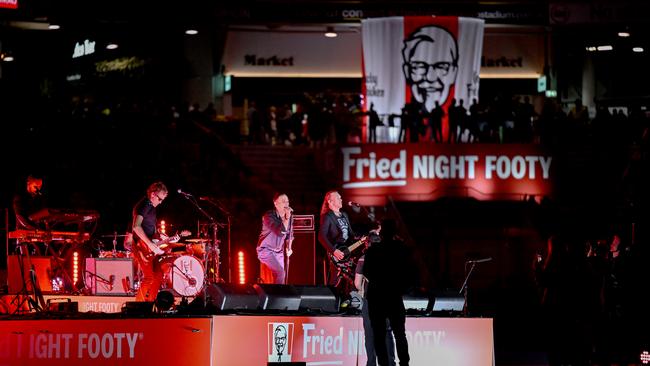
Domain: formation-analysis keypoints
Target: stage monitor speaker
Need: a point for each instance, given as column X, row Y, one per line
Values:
column 278, row 297
column 449, row 301
column 109, row 276
column 42, row 269
column 318, row 298
column 231, row 296
column 302, row 264
column 417, row 303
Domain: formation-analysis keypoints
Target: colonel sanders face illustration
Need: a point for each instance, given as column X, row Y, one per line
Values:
column 280, row 338
column 430, row 64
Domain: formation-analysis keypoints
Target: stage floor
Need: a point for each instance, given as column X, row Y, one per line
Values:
column 100, row 334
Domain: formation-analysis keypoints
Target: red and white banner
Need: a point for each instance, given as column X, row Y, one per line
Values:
column 423, row 172
column 255, row 340
column 234, row 341
column 423, row 59
column 106, row 342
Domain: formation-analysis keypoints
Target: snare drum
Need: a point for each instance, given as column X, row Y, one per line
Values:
column 185, row 272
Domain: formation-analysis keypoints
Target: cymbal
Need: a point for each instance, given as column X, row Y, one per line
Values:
column 197, row 240
column 171, row 245
column 113, row 236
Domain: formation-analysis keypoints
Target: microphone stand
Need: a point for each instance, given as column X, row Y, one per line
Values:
column 219, row 206
column 215, row 227
column 463, row 289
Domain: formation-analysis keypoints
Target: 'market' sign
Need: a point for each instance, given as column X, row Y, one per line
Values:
column 421, row 172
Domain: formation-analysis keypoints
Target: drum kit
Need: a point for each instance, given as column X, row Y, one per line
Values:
column 184, row 265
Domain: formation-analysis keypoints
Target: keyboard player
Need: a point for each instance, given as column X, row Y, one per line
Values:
column 27, row 202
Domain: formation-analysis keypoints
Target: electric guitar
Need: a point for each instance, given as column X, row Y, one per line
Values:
column 345, row 260
column 165, row 243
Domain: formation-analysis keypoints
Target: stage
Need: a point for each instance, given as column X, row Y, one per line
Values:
column 100, row 334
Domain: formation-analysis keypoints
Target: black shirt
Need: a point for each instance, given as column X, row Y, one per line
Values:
column 145, row 209
column 24, row 205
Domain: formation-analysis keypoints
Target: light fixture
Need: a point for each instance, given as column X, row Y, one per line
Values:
column 623, row 34
column 330, row 33
column 111, row 46
column 591, row 49
column 637, row 49
column 6, row 58
column 605, row 48
column 191, row 32
column 53, row 27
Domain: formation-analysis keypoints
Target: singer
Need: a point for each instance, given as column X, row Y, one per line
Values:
column 145, row 229
column 275, row 240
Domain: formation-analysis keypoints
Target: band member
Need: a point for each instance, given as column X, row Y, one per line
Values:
column 29, row 202
column 145, row 250
column 275, row 239
column 335, row 231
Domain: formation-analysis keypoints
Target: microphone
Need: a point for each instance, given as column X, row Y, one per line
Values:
column 290, row 209
column 482, row 260
column 353, row 204
column 185, row 194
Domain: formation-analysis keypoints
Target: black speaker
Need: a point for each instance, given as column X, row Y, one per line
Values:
column 318, row 298
column 302, row 263
column 278, row 297
column 231, row 296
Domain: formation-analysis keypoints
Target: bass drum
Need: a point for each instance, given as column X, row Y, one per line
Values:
column 187, row 275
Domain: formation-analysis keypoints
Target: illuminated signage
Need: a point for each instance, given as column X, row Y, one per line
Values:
column 83, row 49
column 9, row 4
column 541, row 84
column 424, row 172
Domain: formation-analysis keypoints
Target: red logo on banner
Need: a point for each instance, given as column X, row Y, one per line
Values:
column 9, row 4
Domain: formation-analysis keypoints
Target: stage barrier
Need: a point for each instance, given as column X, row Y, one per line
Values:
column 234, row 340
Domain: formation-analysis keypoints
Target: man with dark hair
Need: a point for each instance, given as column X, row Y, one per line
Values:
column 385, row 289
column 275, row 241
column 28, row 202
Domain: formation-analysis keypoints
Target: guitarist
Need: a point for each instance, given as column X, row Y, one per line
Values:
column 334, row 233
column 145, row 230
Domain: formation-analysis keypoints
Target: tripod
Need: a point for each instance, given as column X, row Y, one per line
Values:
column 37, row 303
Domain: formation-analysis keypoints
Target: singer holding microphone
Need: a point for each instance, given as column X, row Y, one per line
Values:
column 275, row 241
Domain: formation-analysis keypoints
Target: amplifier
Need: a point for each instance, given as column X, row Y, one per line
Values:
column 109, row 276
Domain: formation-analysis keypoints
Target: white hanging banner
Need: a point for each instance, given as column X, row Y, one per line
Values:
column 424, row 60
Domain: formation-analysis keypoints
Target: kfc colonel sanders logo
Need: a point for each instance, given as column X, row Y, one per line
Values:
column 280, row 339
column 430, row 57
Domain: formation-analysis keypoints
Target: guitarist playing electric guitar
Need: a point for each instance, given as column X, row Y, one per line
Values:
column 334, row 233
column 145, row 229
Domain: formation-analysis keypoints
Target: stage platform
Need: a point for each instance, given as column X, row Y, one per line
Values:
column 101, row 335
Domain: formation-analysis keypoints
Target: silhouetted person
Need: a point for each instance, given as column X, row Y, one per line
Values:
column 385, row 289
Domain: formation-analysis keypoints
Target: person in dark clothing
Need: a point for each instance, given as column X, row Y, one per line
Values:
column 29, row 202
column 145, row 230
column 334, row 234
column 361, row 283
column 373, row 122
column 385, row 289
